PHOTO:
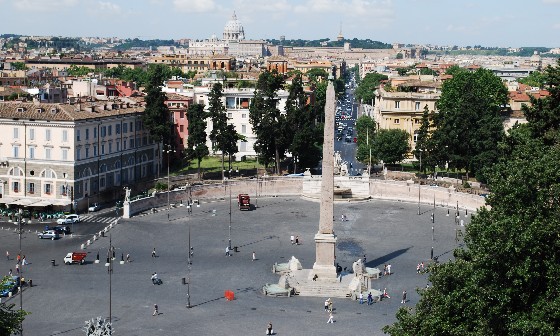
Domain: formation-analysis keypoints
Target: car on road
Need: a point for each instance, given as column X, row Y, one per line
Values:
column 61, row 229
column 68, row 219
column 94, row 207
column 348, row 139
column 48, row 234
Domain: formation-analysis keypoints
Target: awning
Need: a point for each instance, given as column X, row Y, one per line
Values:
column 61, row 202
column 25, row 201
column 42, row 203
column 8, row 200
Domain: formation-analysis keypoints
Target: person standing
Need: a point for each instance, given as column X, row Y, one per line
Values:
column 24, row 261
column 254, row 256
column 385, row 294
column 385, row 269
column 227, row 251
column 269, row 329
column 361, row 298
column 403, row 297
column 369, row 299
column 330, row 320
column 330, row 306
column 326, row 301
column 127, row 258
column 292, row 239
column 17, row 268
column 156, row 310
column 7, row 255
column 154, row 253
column 418, row 269
column 297, row 240
column 389, row 269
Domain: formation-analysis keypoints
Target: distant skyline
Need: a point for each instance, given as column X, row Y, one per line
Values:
column 489, row 23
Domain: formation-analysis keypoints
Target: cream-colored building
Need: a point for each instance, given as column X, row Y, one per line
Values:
column 403, row 110
column 71, row 155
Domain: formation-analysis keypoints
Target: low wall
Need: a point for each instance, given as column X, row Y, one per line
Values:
column 294, row 186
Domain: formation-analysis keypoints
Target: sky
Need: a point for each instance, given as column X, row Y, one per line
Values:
column 489, row 23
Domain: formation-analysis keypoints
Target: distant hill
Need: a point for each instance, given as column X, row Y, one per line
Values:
column 354, row 43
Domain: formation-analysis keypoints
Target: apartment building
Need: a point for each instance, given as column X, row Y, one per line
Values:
column 403, row 110
column 69, row 155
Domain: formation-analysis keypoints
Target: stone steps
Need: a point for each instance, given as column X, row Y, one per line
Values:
column 324, row 290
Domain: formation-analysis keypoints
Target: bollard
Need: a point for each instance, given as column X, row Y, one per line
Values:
column 53, row 262
column 82, row 247
column 30, row 283
column 94, row 237
column 88, row 242
column 102, row 233
column 236, row 249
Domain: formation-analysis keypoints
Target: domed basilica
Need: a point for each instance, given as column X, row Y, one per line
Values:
column 233, row 31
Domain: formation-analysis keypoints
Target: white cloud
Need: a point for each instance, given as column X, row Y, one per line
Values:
column 352, row 8
column 43, row 5
column 551, row 1
column 245, row 7
column 556, row 26
column 108, row 7
column 195, row 6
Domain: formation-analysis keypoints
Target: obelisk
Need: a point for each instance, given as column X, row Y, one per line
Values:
column 325, row 239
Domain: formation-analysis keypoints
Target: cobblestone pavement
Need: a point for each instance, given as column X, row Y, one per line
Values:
column 63, row 297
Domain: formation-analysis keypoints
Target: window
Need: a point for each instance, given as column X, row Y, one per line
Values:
column 95, row 133
column 110, row 147
column 397, row 121
column 78, row 135
column 131, row 144
column 131, row 127
column 125, row 128
column 243, row 129
column 65, row 154
column 415, row 137
column 230, row 102
column 118, row 146
column 110, row 130
column 31, row 188
column 230, row 115
column 103, row 131
column 78, row 154
column 94, row 150
column 63, row 190
column 182, row 114
column 31, row 152
column 118, row 129
column 64, row 135
column 15, row 186
column 102, row 149
column 243, row 115
column 87, row 133
column 16, row 133
column 124, row 144
column 47, row 188
column 102, row 182
column 15, row 151
column 48, row 153
column 397, row 104
column 31, row 134
column 87, row 152
column 181, row 128
column 416, row 121
column 48, row 135
column 417, row 106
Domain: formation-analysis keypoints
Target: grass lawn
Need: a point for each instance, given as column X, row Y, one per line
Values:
column 213, row 164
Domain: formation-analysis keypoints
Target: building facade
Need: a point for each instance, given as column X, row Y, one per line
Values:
column 71, row 155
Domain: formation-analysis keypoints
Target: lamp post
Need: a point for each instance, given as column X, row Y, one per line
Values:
column 19, row 262
column 229, row 228
column 109, row 265
column 168, row 151
column 419, row 181
column 189, row 265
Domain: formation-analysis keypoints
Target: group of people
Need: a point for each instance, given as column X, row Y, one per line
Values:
column 155, row 279
column 294, row 240
column 420, row 267
column 386, row 269
column 369, row 299
column 329, row 309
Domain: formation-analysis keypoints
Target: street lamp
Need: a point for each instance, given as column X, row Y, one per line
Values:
column 109, row 265
column 19, row 262
column 229, row 229
column 419, row 181
column 168, row 151
column 189, row 265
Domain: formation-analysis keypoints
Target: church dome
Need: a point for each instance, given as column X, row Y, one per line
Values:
column 233, row 31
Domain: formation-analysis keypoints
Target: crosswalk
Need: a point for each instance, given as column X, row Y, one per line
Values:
column 97, row 219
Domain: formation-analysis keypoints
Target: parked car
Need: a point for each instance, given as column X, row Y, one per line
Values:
column 61, row 229
column 94, row 207
column 48, row 234
column 68, row 219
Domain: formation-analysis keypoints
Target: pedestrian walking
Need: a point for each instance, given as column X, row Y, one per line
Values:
column 422, row 265
column 156, row 310
column 361, row 298
column 269, row 329
column 385, row 294
column 10, row 272
column 385, row 269
column 18, row 258
column 24, row 261
column 17, row 268
column 292, row 239
column 326, row 301
column 254, row 256
column 154, row 253
column 127, row 257
column 369, row 299
column 403, row 297
column 417, row 268
column 330, row 305
column 389, row 269
column 297, row 240
column 7, row 255
column 330, row 320
column 227, row 251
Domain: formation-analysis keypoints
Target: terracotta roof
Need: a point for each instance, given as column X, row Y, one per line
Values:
column 174, row 96
column 62, row 112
